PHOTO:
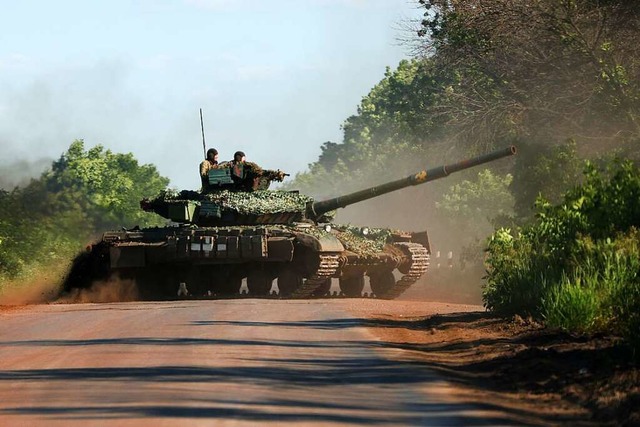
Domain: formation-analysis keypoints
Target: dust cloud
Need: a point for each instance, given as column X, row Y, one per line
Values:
column 111, row 290
column 448, row 285
column 43, row 286
column 47, row 289
column 36, row 291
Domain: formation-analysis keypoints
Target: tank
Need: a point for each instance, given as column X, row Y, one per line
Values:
column 238, row 229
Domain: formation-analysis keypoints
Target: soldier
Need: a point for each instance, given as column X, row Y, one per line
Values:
column 237, row 165
column 248, row 176
column 243, row 173
column 207, row 164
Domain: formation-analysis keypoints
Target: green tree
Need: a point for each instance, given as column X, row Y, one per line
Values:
column 392, row 127
column 109, row 186
column 544, row 168
column 86, row 191
column 473, row 205
column 547, row 69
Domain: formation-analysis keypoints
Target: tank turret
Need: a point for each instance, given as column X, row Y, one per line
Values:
column 228, row 202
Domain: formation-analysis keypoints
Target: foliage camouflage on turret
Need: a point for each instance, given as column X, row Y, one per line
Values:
column 257, row 202
column 261, row 201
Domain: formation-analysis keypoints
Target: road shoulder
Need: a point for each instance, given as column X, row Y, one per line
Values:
column 537, row 375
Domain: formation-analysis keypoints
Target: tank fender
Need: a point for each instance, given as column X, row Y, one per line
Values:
column 326, row 243
column 422, row 238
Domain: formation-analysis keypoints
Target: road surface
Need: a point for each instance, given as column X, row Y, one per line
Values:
column 223, row 362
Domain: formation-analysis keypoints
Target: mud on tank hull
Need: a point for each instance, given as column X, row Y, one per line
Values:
column 200, row 262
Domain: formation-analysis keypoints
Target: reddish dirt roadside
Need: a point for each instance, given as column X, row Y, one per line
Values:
column 546, row 376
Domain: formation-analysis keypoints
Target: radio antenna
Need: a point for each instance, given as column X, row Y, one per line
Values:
column 204, row 146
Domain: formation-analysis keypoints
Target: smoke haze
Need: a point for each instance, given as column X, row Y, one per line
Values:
column 20, row 172
column 273, row 81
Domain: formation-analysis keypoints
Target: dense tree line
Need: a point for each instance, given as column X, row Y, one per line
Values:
column 544, row 74
column 543, row 69
column 561, row 80
column 46, row 221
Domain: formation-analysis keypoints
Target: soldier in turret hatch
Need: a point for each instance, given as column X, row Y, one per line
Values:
column 211, row 162
column 243, row 173
column 248, row 176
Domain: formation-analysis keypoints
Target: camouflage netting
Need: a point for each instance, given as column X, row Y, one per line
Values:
column 352, row 238
column 368, row 245
column 253, row 203
column 260, row 202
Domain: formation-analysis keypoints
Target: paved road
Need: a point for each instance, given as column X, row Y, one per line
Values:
column 226, row 362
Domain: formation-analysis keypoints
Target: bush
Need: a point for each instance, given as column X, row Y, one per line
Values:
column 577, row 266
column 516, row 275
column 573, row 304
column 625, row 300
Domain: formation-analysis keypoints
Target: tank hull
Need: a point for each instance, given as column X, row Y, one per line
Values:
column 299, row 260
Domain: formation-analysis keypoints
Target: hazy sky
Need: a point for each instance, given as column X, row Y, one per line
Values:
column 274, row 78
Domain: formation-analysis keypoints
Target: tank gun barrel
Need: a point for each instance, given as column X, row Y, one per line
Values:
column 317, row 209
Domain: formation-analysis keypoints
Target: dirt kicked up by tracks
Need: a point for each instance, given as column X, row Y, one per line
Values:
column 539, row 376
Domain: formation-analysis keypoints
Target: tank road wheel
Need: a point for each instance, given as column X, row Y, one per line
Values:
column 288, row 282
column 199, row 280
column 352, row 286
column 259, row 283
column 146, row 284
column 382, row 282
column 323, row 289
column 159, row 283
column 229, row 285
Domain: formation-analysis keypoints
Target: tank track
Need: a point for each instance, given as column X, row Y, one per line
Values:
column 419, row 265
column 329, row 264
